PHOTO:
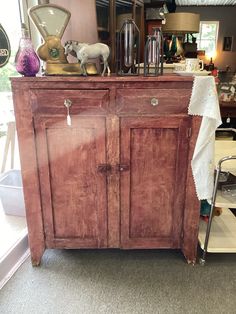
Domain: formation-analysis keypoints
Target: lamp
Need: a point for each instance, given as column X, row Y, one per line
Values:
column 181, row 23
column 211, row 56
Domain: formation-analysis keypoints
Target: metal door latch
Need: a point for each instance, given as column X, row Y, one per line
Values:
column 104, row 168
column 122, row 167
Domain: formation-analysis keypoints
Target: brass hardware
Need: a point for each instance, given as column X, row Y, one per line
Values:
column 189, row 132
column 122, row 167
column 68, row 104
column 104, row 168
column 69, row 69
column 154, row 101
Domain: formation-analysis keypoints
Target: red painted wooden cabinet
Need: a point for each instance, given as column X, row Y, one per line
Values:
column 119, row 176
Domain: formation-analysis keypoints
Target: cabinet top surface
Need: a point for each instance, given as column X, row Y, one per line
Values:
column 105, row 79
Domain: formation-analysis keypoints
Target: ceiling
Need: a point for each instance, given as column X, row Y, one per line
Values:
column 205, row 2
column 119, row 3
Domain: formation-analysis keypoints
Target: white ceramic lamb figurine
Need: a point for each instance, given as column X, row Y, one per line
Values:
column 84, row 52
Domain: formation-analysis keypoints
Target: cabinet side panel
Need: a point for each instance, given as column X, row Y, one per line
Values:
column 29, row 169
column 192, row 204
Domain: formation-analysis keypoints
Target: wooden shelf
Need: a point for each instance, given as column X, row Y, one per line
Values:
column 228, row 108
column 102, row 29
column 228, row 104
column 223, row 233
column 222, row 149
column 222, row 201
column 223, row 229
column 110, row 9
column 226, row 148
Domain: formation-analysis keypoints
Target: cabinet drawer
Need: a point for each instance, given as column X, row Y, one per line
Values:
column 51, row 101
column 148, row 101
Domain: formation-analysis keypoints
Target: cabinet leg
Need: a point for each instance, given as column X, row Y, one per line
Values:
column 36, row 257
column 191, row 262
column 35, row 261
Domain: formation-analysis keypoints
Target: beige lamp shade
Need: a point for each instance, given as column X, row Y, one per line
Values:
column 121, row 18
column 181, row 23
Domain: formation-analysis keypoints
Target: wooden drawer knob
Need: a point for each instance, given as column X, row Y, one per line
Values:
column 67, row 103
column 154, row 101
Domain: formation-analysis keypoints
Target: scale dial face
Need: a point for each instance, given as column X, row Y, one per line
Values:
column 50, row 19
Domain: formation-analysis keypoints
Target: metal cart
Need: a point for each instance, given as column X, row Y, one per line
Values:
column 222, row 203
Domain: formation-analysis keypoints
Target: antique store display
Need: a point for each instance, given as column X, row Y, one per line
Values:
column 84, row 181
column 26, row 60
column 5, row 48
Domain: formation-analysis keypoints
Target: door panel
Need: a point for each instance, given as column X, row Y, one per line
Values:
column 153, row 189
column 73, row 190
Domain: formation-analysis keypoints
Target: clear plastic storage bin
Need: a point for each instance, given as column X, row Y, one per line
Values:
column 11, row 193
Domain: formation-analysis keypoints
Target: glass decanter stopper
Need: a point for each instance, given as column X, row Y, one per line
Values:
column 26, row 61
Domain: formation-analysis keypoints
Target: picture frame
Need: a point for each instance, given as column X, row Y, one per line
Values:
column 228, row 43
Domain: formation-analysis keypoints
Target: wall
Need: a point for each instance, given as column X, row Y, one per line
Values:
column 83, row 22
column 227, row 27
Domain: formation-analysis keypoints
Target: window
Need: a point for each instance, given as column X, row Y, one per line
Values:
column 207, row 37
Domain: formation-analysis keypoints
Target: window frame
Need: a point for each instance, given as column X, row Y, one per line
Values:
column 199, row 39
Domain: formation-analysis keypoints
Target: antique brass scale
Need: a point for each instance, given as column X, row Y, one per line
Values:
column 51, row 21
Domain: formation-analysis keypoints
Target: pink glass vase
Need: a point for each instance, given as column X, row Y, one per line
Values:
column 26, row 61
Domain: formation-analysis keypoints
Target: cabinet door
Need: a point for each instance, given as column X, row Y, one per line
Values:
column 73, row 191
column 153, row 166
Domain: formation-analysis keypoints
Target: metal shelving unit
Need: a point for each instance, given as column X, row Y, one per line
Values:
column 223, row 234
column 112, row 9
column 219, row 234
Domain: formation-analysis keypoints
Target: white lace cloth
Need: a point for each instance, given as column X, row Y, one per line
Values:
column 204, row 102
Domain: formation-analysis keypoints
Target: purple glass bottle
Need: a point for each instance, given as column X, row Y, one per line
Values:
column 26, row 61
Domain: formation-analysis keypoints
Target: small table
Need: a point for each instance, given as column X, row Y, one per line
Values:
column 228, row 109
